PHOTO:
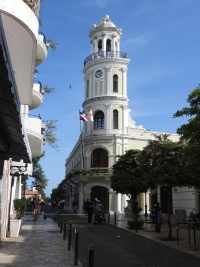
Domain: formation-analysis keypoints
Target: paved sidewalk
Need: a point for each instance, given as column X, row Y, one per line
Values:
column 39, row 244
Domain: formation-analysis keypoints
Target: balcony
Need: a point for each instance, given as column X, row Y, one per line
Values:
column 104, row 54
column 41, row 52
column 34, row 128
column 37, row 96
column 21, row 25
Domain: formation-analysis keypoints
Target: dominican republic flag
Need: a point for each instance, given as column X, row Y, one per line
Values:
column 83, row 116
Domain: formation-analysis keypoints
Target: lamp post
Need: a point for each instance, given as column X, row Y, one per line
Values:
column 145, row 214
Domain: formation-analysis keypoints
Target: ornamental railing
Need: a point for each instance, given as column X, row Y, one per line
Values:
column 104, row 54
column 34, row 5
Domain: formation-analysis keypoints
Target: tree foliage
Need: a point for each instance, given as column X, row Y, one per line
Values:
column 40, row 181
column 190, row 133
column 50, row 133
column 126, row 177
column 164, row 164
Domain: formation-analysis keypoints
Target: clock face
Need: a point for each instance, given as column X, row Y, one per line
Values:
column 98, row 74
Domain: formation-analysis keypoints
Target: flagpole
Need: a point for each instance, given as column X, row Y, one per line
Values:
column 92, row 162
column 81, row 140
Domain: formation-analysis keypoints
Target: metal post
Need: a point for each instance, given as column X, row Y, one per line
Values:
column 189, row 234
column 91, row 255
column 108, row 216
column 64, row 230
column 115, row 218
column 195, row 243
column 177, row 234
column 61, row 224
column 54, row 216
column 70, row 237
column 136, row 226
column 145, row 214
column 76, row 247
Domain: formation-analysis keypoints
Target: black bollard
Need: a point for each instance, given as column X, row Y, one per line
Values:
column 177, row 234
column 54, row 216
column 64, row 230
column 115, row 218
column 91, row 255
column 70, row 237
column 61, row 224
column 195, row 243
column 189, row 234
column 109, row 217
column 57, row 218
column 76, row 247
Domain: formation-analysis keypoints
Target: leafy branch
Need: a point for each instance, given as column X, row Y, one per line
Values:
column 50, row 134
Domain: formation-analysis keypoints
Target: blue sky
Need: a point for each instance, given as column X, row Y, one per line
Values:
column 161, row 38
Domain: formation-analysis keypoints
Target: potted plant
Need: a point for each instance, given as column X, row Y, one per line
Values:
column 15, row 223
column 19, row 207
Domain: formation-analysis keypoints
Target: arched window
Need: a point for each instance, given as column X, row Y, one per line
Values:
column 115, row 83
column 99, row 158
column 115, row 119
column 100, row 48
column 99, row 120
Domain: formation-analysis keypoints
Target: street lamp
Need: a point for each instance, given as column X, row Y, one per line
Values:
column 145, row 214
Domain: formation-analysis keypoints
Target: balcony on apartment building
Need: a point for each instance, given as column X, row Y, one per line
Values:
column 21, row 25
column 37, row 96
column 42, row 49
column 34, row 128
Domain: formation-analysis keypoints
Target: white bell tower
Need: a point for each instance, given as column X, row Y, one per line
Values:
column 105, row 79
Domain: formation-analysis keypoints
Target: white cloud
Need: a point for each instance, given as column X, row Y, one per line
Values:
column 137, row 41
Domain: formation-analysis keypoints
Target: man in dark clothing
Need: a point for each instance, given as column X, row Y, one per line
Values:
column 90, row 210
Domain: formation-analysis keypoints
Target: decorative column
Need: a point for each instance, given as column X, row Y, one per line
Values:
column 103, row 45
column 108, row 68
column 124, row 82
column 124, row 118
column 80, row 197
column 108, row 116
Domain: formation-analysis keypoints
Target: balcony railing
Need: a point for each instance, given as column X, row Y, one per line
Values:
column 34, row 5
column 104, row 54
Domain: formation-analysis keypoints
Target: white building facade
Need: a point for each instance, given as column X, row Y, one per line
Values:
column 22, row 49
column 112, row 132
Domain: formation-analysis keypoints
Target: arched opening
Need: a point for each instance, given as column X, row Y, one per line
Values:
column 100, row 48
column 108, row 46
column 115, row 83
column 99, row 120
column 101, row 193
column 115, row 119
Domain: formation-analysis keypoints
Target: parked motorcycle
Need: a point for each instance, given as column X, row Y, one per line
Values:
column 192, row 221
column 99, row 217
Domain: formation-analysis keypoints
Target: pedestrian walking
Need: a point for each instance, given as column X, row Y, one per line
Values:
column 90, row 211
column 36, row 203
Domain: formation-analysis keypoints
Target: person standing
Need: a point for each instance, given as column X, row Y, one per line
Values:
column 90, row 210
column 36, row 203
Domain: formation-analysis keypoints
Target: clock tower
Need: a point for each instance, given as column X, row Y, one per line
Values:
column 105, row 79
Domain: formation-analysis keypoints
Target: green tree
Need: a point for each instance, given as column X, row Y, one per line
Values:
column 58, row 193
column 190, row 133
column 40, row 181
column 127, row 177
column 164, row 164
